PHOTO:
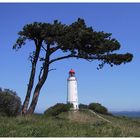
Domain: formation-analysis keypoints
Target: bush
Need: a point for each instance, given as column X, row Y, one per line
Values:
column 98, row 108
column 83, row 106
column 57, row 109
column 10, row 103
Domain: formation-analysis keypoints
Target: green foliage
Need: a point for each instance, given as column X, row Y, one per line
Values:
column 83, row 42
column 95, row 107
column 10, row 103
column 40, row 32
column 57, row 109
column 77, row 39
column 98, row 108
column 83, row 106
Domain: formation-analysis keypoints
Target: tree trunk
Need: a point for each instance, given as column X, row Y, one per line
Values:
column 37, row 91
column 39, row 84
column 31, row 81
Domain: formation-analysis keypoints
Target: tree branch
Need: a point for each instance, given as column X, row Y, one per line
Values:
column 44, row 48
column 72, row 56
column 51, row 69
column 40, row 73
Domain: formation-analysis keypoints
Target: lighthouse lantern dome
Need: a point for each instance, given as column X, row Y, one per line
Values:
column 71, row 73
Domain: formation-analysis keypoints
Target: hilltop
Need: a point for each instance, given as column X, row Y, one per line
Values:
column 84, row 123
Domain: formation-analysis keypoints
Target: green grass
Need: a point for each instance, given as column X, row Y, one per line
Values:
column 69, row 124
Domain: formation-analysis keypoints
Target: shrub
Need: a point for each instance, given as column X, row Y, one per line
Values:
column 57, row 109
column 83, row 106
column 98, row 108
column 10, row 103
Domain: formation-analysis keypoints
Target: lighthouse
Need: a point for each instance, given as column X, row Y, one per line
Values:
column 72, row 93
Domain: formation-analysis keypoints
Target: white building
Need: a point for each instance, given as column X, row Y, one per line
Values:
column 72, row 94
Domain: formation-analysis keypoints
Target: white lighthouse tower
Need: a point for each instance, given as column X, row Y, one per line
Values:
column 72, row 94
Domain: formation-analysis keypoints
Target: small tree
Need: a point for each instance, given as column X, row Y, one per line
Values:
column 10, row 103
column 75, row 41
column 98, row 108
column 57, row 109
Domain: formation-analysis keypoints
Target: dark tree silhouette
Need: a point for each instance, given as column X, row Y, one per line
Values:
column 75, row 41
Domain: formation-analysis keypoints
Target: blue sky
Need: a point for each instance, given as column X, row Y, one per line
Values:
column 116, row 88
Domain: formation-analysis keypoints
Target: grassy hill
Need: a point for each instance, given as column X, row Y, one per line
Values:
column 70, row 124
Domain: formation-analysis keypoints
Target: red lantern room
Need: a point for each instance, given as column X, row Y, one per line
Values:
column 71, row 73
